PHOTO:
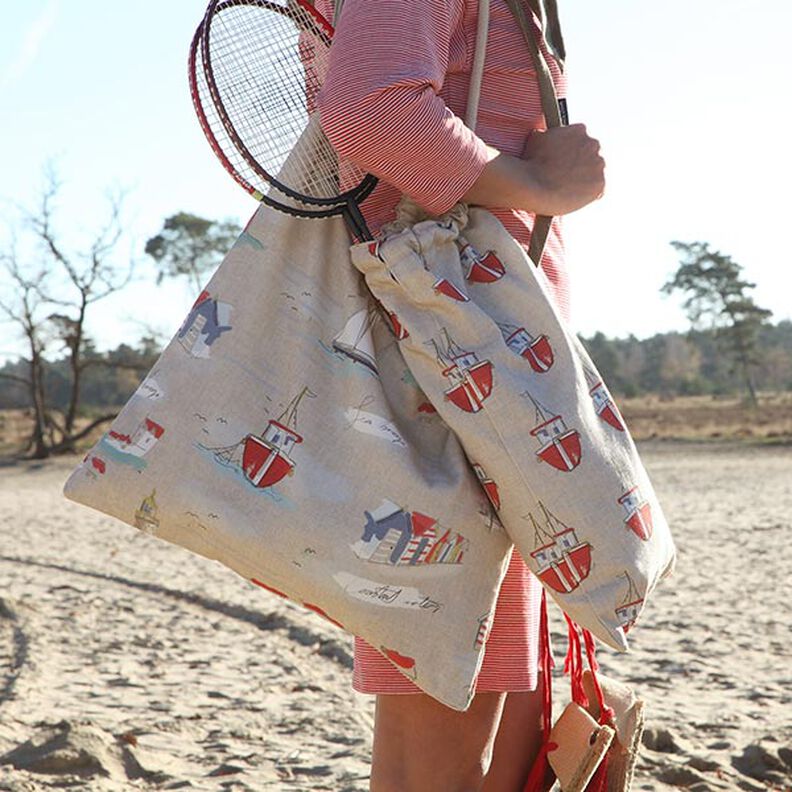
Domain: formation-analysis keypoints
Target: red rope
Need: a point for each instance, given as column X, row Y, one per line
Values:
column 606, row 713
column 573, row 664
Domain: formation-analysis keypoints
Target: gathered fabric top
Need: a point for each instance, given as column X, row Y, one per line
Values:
column 394, row 98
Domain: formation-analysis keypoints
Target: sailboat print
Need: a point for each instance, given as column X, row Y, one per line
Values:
column 146, row 518
column 630, row 608
column 604, row 405
column 470, row 379
column 564, row 561
column 355, row 339
column 559, row 446
column 639, row 513
column 265, row 458
column 490, row 487
column 535, row 349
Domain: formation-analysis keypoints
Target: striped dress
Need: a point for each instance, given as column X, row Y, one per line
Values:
column 392, row 103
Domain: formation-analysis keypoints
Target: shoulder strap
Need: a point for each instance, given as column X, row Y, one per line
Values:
column 550, row 107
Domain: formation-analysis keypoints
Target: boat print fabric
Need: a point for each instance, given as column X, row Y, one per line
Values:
column 282, row 434
column 484, row 339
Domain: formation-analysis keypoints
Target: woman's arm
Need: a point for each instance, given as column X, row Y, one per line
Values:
column 380, row 109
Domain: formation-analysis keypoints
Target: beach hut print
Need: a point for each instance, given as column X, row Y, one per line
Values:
column 558, row 445
column 490, row 487
column 444, row 286
column 146, row 515
column 604, row 405
column 405, row 664
column 355, row 339
column 639, row 513
column 535, row 349
column 266, row 458
column 480, row 268
column 139, row 442
column 207, row 320
column 470, row 379
column 630, row 608
column 563, row 560
column 394, row 536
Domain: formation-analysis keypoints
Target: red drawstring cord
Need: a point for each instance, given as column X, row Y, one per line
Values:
column 573, row 664
column 606, row 713
column 541, row 768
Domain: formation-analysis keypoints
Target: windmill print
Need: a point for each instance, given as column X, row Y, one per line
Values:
column 205, row 323
column 401, row 538
column 480, row 268
column 558, row 446
column 470, row 379
column 630, row 607
column 535, row 349
column 489, row 486
column 564, row 562
column 639, row 513
column 266, row 458
column 604, row 405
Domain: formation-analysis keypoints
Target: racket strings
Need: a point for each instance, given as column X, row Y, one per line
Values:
column 266, row 67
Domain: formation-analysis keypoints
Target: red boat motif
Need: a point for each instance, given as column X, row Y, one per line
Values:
column 265, row 459
column 406, row 664
column 490, row 487
column 426, row 407
column 535, row 349
column 398, row 329
column 631, row 606
column 559, row 446
column 444, row 286
column 564, row 561
column 605, row 407
column 478, row 268
column 470, row 378
column 639, row 513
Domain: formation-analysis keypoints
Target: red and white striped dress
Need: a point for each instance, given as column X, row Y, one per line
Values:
column 392, row 102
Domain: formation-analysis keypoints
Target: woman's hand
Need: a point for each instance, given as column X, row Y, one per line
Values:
column 566, row 168
column 560, row 170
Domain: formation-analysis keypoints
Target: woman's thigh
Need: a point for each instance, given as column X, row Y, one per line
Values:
column 420, row 744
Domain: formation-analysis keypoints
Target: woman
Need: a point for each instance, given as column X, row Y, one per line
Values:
column 392, row 103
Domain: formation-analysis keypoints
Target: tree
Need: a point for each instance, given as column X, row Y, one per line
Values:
column 717, row 296
column 192, row 246
column 90, row 275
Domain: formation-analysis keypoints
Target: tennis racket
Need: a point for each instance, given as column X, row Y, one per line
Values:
column 255, row 68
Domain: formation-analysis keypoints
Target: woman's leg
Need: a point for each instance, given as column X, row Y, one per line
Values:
column 517, row 742
column 422, row 745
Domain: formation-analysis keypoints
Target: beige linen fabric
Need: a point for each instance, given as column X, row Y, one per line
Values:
column 282, row 434
column 484, row 340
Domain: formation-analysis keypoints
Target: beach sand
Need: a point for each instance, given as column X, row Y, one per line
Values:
column 127, row 663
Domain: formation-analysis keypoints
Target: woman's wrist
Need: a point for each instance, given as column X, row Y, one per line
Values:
column 505, row 181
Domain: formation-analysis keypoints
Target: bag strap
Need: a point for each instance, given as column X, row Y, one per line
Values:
column 551, row 108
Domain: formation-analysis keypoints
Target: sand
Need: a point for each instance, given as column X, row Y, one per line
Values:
column 127, row 663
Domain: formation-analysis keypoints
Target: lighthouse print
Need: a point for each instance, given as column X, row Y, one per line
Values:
column 629, row 609
column 146, row 518
column 394, row 536
column 207, row 320
column 558, row 445
column 563, row 560
column 638, row 516
column 266, row 458
column 535, row 349
column 480, row 268
column 469, row 379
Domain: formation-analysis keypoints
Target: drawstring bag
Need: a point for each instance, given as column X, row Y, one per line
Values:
column 484, row 339
column 281, row 433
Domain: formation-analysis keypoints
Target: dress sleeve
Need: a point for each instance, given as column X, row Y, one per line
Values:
column 380, row 106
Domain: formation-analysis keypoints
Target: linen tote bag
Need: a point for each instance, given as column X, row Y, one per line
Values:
column 484, row 339
column 281, row 433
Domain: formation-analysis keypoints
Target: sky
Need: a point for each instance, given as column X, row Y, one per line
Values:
column 686, row 99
